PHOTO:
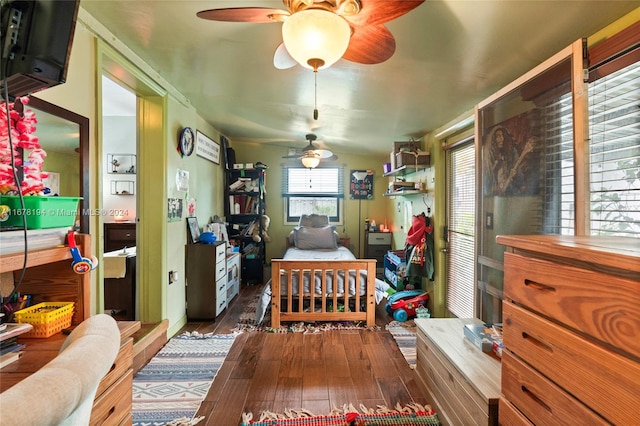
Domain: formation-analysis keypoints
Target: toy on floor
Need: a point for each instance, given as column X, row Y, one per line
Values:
column 403, row 304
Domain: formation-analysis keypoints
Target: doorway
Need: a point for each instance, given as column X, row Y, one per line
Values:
column 119, row 184
column 146, row 141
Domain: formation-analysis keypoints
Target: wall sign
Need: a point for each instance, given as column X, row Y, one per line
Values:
column 207, row 148
column 361, row 184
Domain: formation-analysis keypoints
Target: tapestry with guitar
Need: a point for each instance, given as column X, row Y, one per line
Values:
column 512, row 158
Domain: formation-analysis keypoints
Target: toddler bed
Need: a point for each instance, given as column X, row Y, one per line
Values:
column 317, row 280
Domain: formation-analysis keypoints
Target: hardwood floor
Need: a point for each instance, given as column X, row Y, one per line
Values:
column 278, row 371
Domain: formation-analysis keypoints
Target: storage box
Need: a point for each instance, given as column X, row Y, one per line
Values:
column 46, row 318
column 412, row 158
column 483, row 336
column 386, row 167
column 243, row 166
column 405, row 145
column 41, row 211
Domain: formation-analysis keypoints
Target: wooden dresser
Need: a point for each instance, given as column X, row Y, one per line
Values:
column 113, row 402
column 571, row 320
column 461, row 382
column 206, row 280
column 118, row 235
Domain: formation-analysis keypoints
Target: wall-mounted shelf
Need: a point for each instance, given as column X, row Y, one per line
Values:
column 121, row 164
column 403, row 170
column 404, row 193
column 122, row 187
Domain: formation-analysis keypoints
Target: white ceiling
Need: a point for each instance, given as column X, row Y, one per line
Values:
column 450, row 54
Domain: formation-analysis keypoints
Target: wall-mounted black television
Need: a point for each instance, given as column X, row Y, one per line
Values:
column 36, row 44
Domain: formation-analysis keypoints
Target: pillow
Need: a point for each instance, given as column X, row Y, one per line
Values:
column 306, row 238
column 314, row 220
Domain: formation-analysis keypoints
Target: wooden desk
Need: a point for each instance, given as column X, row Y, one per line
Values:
column 111, row 397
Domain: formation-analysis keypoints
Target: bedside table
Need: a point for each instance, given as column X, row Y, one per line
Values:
column 376, row 245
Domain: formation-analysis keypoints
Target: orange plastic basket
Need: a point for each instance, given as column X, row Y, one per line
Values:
column 47, row 318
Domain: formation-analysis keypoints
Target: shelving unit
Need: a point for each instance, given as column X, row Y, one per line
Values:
column 408, row 169
column 244, row 209
column 402, row 193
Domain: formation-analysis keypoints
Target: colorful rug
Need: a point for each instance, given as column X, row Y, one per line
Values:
column 404, row 333
column 171, row 387
column 411, row 414
column 247, row 322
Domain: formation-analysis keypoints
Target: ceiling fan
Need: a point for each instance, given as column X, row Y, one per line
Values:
column 359, row 24
column 312, row 155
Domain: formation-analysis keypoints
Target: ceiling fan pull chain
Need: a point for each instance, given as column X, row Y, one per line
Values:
column 315, row 100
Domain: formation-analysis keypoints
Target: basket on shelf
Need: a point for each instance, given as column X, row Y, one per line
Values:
column 47, row 318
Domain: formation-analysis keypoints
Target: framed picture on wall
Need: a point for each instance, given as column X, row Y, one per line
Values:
column 193, row 230
column 361, row 185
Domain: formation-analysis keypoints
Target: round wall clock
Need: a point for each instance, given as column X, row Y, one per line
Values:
column 187, row 141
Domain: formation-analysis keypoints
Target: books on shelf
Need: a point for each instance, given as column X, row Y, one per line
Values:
column 14, row 329
column 243, row 204
column 9, row 357
column 485, row 337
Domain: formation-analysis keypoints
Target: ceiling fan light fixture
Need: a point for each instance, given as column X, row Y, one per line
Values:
column 311, row 160
column 316, row 38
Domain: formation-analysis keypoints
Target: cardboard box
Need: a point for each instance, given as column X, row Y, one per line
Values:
column 420, row 158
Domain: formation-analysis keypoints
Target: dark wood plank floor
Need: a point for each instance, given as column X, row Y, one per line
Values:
column 278, row 371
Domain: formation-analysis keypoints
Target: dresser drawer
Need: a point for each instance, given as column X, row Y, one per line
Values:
column 603, row 306
column 379, row 238
column 377, row 252
column 510, row 416
column 123, row 362
column 221, row 268
column 600, row 378
column 540, row 400
column 112, row 407
column 122, row 235
column 221, row 252
column 452, row 393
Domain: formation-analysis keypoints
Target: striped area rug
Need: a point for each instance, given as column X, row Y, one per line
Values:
column 404, row 333
column 173, row 384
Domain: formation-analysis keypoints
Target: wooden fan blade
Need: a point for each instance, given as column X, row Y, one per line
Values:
column 376, row 12
column 282, row 60
column 370, row 45
column 244, row 14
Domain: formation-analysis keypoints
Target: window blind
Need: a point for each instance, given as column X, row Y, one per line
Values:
column 303, row 182
column 614, row 132
column 461, row 226
column 558, row 191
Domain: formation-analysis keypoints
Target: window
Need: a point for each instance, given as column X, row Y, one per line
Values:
column 614, row 153
column 461, row 219
column 308, row 191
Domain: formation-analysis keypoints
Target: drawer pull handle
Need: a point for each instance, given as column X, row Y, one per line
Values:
column 537, row 342
column 538, row 286
column 535, row 398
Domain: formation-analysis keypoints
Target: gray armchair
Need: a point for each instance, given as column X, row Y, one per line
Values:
column 62, row 392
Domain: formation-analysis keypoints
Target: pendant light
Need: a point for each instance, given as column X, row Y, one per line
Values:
column 316, row 38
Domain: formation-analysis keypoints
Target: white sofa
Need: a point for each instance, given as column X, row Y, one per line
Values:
column 62, row 392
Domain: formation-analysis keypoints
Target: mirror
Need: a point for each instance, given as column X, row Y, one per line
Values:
column 64, row 135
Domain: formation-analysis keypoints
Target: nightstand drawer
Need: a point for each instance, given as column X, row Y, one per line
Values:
column 379, row 238
column 377, row 252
